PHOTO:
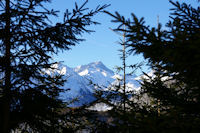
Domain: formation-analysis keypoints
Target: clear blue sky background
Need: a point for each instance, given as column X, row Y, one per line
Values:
column 101, row 45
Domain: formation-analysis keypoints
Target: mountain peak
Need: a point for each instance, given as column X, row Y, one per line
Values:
column 97, row 64
column 93, row 66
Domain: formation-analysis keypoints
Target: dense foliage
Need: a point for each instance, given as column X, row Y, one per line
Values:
column 29, row 98
column 173, row 91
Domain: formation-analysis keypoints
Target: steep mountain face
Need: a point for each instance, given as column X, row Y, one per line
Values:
column 97, row 72
column 79, row 81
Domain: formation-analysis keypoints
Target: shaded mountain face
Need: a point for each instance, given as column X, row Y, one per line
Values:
column 79, row 81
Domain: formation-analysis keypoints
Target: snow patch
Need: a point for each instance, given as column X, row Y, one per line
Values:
column 100, row 107
column 117, row 76
column 104, row 73
column 85, row 72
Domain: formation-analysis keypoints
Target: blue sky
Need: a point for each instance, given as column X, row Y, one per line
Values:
column 102, row 44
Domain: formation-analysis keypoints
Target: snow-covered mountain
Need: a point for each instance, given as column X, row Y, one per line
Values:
column 78, row 80
column 97, row 72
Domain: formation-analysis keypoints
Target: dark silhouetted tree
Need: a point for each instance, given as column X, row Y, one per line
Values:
column 120, row 99
column 174, row 56
column 28, row 96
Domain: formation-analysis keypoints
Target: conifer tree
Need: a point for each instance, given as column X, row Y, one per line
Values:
column 29, row 96
column 118, row 96
column 174, row 55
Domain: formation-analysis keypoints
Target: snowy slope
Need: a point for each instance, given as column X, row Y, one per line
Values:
column 97, row 72
column 78, row 85
column 78, row 80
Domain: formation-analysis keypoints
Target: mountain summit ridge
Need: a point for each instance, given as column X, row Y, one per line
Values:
column 93, row 65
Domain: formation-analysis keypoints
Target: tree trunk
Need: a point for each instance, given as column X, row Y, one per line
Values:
column 6, row 89
column 124, row 70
